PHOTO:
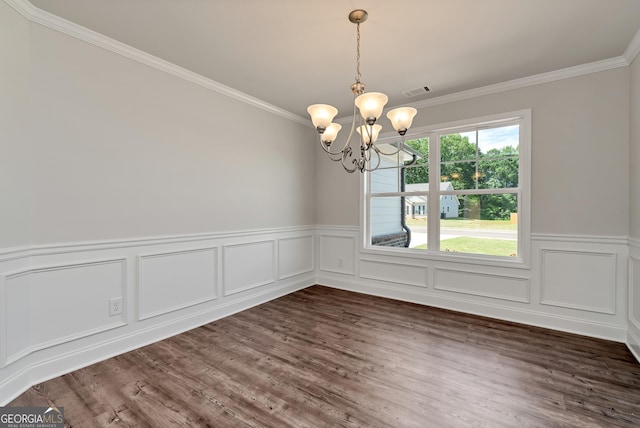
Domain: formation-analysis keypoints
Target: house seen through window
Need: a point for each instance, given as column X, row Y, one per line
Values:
column 471, row 177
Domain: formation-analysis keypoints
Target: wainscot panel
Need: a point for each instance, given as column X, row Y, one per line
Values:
column 394, row 272
column 634, row 288
column 15, row 319
column 249, row 265
column 52, row 305
column 337, row 254
column 502, row 287
column 579, row 280
column 172, row 281
column 633, row 332
column 295, row 256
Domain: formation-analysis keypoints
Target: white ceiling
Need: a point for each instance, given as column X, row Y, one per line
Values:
column 292, row 53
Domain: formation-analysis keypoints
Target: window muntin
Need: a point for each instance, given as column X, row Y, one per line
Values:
column 475, row 182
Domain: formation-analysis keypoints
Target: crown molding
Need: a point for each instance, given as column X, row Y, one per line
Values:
column 552, row 76
column 23, row 7
column 633, row 49
column 39, row 16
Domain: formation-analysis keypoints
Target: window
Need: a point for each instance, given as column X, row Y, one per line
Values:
column 473, row 174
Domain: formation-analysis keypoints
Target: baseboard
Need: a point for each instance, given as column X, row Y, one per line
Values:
column 633, row 340
column 35, row 369
column 492, row 310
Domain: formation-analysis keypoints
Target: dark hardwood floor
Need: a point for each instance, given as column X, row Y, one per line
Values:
column 327, row 358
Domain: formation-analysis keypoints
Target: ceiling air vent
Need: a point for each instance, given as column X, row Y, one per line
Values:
column 415, row 92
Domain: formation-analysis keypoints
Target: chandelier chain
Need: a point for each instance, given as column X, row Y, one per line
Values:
column 358, row 75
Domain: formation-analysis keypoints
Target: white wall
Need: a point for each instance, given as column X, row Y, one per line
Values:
column 14, row 144
column 633, row 337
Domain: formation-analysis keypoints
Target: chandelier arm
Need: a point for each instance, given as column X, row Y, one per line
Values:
column 375, row 167
column 365, row 156
column 353, row 127
column 348, row 154
column 335, row 156
column 328, row 149
column 365, row 152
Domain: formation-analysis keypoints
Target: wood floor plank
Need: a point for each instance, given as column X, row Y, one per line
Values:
column 322, row 357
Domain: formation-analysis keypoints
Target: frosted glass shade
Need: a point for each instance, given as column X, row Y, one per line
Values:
column 322, row 114
column 371, row 104
column 331, row 132
column 369, row 135
column 401, row 118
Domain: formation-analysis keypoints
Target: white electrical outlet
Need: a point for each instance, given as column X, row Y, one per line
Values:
column 115, row 306
column 340, row 262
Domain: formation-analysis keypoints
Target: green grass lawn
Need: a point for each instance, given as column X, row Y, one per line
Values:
column 464, row 223
column 494, row 247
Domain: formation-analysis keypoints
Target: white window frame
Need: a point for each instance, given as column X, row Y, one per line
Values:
column 523, row 259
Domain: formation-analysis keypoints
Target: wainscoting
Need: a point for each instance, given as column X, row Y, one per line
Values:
column 56, row 300
column 576, row 284
column 633, row 332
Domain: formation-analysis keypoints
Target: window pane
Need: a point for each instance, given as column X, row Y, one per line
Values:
column 486, row 224
column 417, row 170
column 387, row 214
column 457, row 147
column 498, row 173
column 399, row 221
column 385, row 180
column 419, row 147
column 503, row 141
column 461, row 175
column 416, row 220
column 416, row 178
column 410, row 164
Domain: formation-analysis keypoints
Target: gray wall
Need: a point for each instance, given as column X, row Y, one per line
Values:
column 14, row 144
column 634, row 217
column 121, row 150
column 634, row 158
column 580, row 166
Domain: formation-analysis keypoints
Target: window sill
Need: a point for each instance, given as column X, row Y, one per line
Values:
column 438, row 256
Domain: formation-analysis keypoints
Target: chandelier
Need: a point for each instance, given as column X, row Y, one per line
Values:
column 367, row 156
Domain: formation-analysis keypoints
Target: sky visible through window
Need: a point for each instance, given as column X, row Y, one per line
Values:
column 495, row 138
